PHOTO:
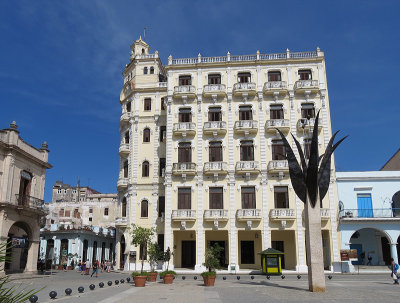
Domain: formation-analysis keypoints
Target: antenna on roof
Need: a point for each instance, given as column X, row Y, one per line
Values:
column 144, row 33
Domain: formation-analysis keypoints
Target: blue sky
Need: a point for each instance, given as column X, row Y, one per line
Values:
column 61, row 64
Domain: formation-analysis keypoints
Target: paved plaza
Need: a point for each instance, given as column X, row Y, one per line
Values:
column 341, row 288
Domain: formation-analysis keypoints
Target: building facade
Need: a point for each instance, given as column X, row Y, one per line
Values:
column 201, row 159
column 22, row 179
column 80, row 225
column 370, row 215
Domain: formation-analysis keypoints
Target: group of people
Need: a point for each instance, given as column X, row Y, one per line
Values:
column 84, row 267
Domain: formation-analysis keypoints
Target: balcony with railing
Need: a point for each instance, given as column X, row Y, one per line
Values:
column 243, row 167
column 121, row 221
column 282, row 213
column 122, row 183
column 246, row 127
column 186, row 168
column 276, row 166
column 218, row 167
column 304, row 124
column 272, row 87
column 124, row 149
column 248, row 214
column 370, row 214
column 214, row 128
column 183, row 215
column 248, row 88
column 282, row 124
column 188, row 91
column 216, row 214
column 125, row 117
column 214, row 89
column 306, row 85
column 184, row 128
column 29, row 202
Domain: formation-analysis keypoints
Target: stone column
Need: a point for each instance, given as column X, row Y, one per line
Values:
column 315, row 261
column 31, row 263
column 393, row 252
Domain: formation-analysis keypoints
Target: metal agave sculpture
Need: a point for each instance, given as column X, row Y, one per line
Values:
column 314, row 176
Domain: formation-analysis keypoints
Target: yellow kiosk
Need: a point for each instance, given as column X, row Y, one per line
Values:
column 271, row 261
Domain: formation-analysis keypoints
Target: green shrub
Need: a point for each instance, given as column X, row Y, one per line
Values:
column 137, row 274
column 167, row 272
column 208, row 273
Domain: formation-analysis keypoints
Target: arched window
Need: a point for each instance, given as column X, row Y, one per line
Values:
column 142, row 50
column 152, row 70
column 145, row 169
column 144, row 210
column 145, row 71
column 126, row 169
column 146, row 135
column 127, row 137
column 128, row 107
column 123, row 208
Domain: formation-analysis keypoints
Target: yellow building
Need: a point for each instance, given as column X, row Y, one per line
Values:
column 202, row 161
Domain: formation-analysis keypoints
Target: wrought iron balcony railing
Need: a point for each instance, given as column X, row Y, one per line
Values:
column 370, row 213
column 29, row 202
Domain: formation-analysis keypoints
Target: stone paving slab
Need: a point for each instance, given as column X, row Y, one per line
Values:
column 342, row 288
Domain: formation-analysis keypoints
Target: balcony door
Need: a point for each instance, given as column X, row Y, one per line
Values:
column 245, row 113
column 248, row 198
column 214, row 114
column 185, row 198
column 24, row 187
column 278, row 150
column 215, row 151
column 276, row 112
column 364, row 203
column 185, row 115
column 184, row 152
column 246, row 151
column 216, row 198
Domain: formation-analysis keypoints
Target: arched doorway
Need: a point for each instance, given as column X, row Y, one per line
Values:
column 94, row 252
column 371, row 242
column 49, row 253
column 121, row 252
column 84, row 251
column 19, row 236
column 396, row 204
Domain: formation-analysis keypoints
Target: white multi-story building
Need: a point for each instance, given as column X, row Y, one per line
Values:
column 201, row 159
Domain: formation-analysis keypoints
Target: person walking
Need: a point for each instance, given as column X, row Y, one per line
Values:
column 108, row 265
column 102, row 266
column 95, row 268
column 395, row 268
column 87, row 267
column 83, row 268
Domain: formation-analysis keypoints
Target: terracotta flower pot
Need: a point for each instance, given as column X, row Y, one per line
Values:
column 60, row 267
column 140, row 281
column 209, row 280
column 152, row 277
column 168, row 279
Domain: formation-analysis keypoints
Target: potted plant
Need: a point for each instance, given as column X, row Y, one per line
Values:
column 141, row 237
column 212, row 257
column 168, row 275
column 154, row 255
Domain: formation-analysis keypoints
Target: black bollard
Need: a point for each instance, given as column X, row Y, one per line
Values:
column 53, row 294
column 195, row 277
column 224, row 278
column 238, row 277
column 91, row 286
column 81, row 289
column 283, row 277
column 329, row 277
column 268, row 277
column 298, row 277
column 109, row 283
column 128, row 279
column 68, row 291
column 116, row 282
column 122, row 281
column 252, row 277
column 101, row 284
column 33, row 298
column 183, row 277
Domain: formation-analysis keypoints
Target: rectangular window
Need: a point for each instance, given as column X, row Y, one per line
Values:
column 162, row 103
column 90, row 219
column 244, row 77
column 90, row 210
column 274, row 76
column 276, row 112
column 281, row 197
column 184, row 152
column 216, row 199
column 184, row 198
column 246, row 151
column 214, row 79
column 67, row 213
column 162, row 167
column 163, row 133
column 214, row 114
column 147, row 104
column 305, row 74
column 278, row 150
column 245, row 113
column 76, row 213
column 307, row 110
column 161, row 206
column 215, row 151
column 106, row 211
column 307, row 148
column 61, row 212
column 248, row 197
column 185, row 115
column 185, row 80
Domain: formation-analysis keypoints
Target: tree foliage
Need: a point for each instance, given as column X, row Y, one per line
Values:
column 212, row 257
column 141, row 236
